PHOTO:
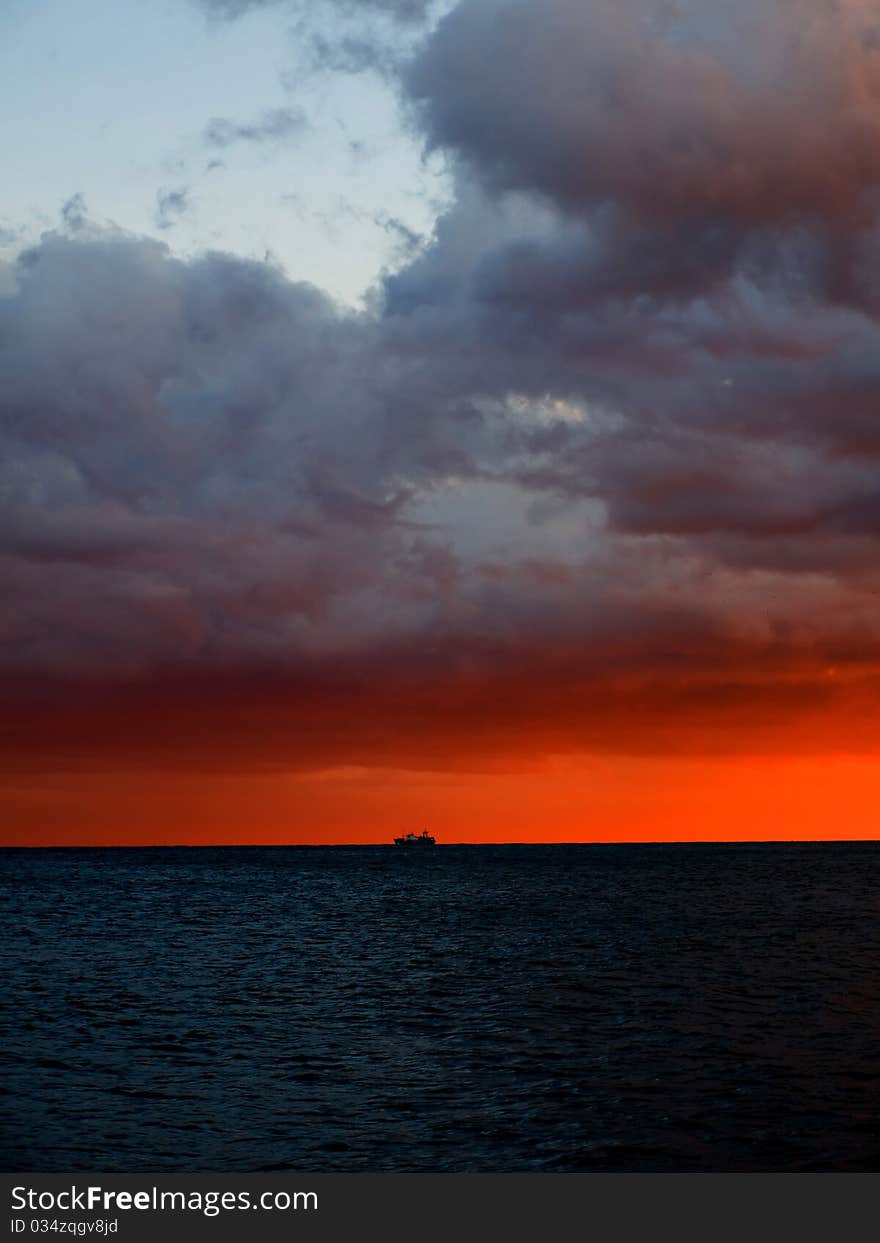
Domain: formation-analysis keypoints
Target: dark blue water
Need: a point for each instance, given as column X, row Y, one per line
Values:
column 473, row 1008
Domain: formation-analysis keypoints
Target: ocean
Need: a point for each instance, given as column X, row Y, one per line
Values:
column 466, row 1008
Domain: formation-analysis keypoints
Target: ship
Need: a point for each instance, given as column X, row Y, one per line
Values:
column 416, row 839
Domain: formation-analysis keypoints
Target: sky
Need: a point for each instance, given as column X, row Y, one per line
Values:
column 460, row 414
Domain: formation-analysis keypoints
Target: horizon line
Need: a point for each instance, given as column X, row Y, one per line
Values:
column 702, row 841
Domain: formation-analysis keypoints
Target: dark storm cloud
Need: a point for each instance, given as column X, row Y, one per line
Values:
column 599, row 462
column 198, row 450
column 277, row 126
column 703, row 265
column 758, row 110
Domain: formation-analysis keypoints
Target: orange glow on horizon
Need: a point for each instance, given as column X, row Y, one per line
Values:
column 610, row 799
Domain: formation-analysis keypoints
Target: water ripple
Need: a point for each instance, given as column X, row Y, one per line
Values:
column 493, row 1008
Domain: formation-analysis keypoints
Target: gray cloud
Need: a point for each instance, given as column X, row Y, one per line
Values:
column 171, row 205
column 406, row 11
column 663, row 109
column 74, row 213
column 277, row 126
column 604, row 445
column 242, row 454
column 230, row 10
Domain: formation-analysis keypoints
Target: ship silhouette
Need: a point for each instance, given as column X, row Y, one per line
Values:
column 416, row 839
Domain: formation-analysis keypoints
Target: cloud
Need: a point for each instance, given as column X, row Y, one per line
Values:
column 74, row 213
column 231, row 10
column 10, row 235
column 166, row 424
column 406, row 11
column 171, row 206
column 663, row 109
column 597, row 469
column 277, row 126
column 400, row 10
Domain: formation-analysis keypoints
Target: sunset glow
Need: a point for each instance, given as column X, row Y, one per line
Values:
column 602, row 800
column 553, row 516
